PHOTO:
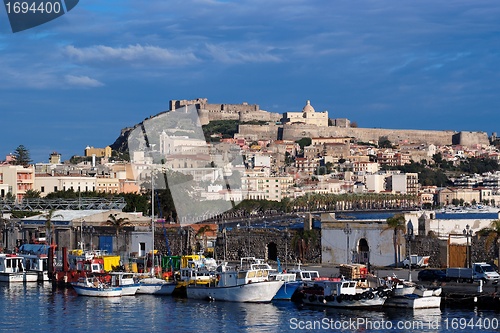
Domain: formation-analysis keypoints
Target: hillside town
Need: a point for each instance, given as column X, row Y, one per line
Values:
column 237, row 164
column 274, row 168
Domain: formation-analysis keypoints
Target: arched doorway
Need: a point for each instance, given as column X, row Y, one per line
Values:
column 363, row 255
column 272, row 251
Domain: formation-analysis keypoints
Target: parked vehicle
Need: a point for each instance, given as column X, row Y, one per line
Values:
column 416, row 261
column 479, row 271
column 432, row 275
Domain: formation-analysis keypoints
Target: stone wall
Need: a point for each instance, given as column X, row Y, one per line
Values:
column 437, row 249
column 257, row 243
column 258, row 132
column 297, row 131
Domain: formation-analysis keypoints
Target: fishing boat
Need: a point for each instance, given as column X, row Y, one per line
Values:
column 341, row 293
column 290, row 284
column 151, row 284
column 37, row 263
column 36, row 259
column 13, row 269
column 126, row 281
column 421, row 298
column 399, row 287
column 93, row 286
column 237, row 285
column 155, row 286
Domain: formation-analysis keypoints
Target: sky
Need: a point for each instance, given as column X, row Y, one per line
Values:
column 105, row 65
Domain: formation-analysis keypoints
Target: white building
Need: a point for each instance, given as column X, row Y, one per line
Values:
column 308, row 116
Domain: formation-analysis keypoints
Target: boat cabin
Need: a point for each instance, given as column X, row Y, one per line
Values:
column 11, row 263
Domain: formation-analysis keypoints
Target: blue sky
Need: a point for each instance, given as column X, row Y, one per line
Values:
column 106, row 65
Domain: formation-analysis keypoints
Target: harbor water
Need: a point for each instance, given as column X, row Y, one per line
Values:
column 40, row 308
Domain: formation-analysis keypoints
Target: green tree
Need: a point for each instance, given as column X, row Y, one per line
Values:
column 384, row 142
column 117, row 223
column 22, row 156
column 32, row 194
column 397, row 224
column 492, row 236
column 304, row 142
column 49, row 227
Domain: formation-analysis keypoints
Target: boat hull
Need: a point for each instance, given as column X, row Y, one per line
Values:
column 258, row 292
column 153, row 286
column 18, row 277
column 345, row 301
column 414, row 302
column 287, row 290
column 98, row 292
column 130, row 289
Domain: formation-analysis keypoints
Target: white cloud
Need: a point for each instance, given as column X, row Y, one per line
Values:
column 233, row 56
column 131, row 53
column 82, row 81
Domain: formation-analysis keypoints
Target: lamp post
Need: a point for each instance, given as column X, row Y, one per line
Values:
column 82, row 223
column 409, row 238
column 347, row 230
column 88, row 229
column 287, row 237
column 468, row 234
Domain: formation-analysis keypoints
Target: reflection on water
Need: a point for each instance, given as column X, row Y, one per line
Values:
column 38, row 308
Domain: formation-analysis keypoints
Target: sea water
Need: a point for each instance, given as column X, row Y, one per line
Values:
column 40, row 308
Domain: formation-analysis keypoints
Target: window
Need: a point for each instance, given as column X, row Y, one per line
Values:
column 42, row 189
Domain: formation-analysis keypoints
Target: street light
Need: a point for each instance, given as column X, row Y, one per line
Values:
column 347, row 231
column 287, row 237
column 409, row 238
column 88, row 229
column 468, row 234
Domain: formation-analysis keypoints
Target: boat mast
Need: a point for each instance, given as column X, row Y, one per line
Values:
column 153, row 223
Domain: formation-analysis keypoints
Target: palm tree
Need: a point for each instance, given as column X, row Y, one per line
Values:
column 493, row 236
column 118, row 223
column 48, row 224
column 397, row 224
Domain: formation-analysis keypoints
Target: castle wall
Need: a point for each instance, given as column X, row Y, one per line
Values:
column 258, row 132
column 259, row 115
column 441, row 138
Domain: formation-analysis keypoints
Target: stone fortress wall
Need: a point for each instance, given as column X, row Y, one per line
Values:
column 208, row 112
column 251, row 112
column 440, row 138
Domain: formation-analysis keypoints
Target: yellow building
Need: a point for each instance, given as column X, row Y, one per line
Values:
column 98, row 152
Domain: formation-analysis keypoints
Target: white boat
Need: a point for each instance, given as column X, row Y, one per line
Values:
column 13, row 269
column 344, row 294
column 303, row 274
column 244, row 285
column 155, row 286
column 93, row 286
column 290, row 284
column 421, row 299
column 399, row 287
column 37, row 264
column 151, row 284
column 126, row 281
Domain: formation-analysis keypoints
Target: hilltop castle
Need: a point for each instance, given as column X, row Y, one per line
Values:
column 309, row 123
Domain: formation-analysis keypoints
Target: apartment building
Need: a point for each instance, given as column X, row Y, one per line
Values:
column 49, row 183
column 16, row 180
column 268, row 188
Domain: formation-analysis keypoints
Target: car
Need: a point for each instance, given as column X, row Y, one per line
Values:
column 431, row 275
